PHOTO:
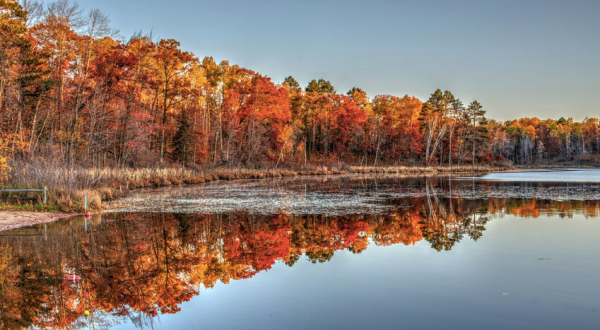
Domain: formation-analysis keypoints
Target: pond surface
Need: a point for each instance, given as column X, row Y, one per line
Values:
column 354, row 252
column 557, row 175
column 340, row 195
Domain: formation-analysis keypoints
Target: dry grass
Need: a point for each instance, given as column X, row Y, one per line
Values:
column 68, row 187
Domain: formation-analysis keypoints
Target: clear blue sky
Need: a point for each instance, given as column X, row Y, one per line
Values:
column 518, row 58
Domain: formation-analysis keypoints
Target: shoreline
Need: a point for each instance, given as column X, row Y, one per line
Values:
column 18, row 219
column 14, row 219
column 108, row 184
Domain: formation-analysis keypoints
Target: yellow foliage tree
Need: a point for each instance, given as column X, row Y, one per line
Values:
column 4, row 168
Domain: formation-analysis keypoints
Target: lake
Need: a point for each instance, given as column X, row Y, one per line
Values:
column 346, row 252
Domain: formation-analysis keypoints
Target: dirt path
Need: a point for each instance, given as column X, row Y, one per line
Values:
column 13, row 219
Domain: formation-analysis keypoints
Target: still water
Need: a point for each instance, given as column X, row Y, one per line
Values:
column 316, row 253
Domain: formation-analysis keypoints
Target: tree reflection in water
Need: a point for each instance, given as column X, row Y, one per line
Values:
column 136, row 266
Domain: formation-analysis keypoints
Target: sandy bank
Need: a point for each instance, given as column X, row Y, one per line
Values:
column 14, row 219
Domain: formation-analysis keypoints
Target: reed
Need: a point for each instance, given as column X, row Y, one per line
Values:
column 67, row 187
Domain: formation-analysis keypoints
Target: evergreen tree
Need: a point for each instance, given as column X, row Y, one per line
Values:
column 476, row 116
column 321, row 87
column 294, row 85
column 182, row 141
column 351, row 92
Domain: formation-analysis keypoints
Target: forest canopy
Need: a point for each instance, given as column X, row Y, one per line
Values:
column 72, row 93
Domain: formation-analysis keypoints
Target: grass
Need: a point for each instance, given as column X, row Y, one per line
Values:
column 67, row 188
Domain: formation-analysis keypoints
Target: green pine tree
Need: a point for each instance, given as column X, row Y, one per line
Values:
column 183, row 140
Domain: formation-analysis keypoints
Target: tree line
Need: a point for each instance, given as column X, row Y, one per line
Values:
column 74, row 94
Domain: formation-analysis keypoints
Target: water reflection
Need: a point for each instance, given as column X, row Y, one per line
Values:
column 135, row 266
column 339, row 195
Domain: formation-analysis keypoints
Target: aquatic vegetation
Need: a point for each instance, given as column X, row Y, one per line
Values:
column 348, row 194
column 67, row 187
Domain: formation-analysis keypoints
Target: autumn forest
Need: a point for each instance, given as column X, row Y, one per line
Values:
column 360, row 180
column 72, row 92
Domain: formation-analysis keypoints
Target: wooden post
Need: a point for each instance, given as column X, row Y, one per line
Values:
column 45, row 194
